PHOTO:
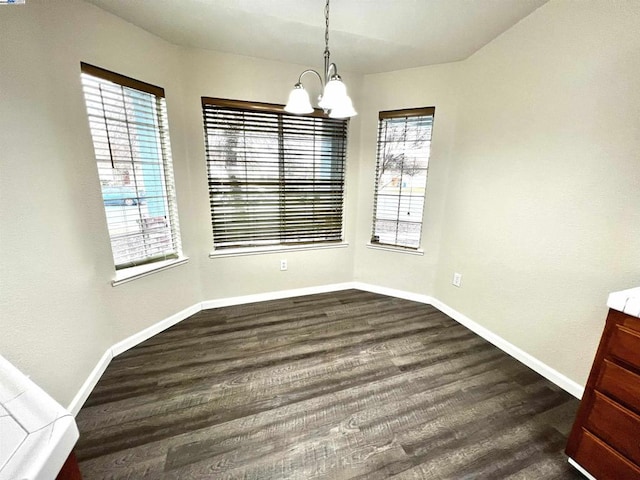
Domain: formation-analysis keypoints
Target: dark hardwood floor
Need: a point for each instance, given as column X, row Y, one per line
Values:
column 345, row 385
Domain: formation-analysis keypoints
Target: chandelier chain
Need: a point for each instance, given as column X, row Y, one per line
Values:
column 326, row 27
column 334, row 99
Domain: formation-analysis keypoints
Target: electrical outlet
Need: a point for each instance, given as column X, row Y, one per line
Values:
column 283, row 265
column 457, row 279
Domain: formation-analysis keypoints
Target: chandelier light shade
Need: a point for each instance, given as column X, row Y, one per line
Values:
column 344, row 109
column 334, row 95
column 299, row 102
column 334, row 99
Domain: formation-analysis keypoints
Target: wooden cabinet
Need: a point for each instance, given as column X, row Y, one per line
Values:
column 70, row 470
column 605, row 439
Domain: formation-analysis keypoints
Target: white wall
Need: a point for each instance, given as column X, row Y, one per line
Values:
column 420, row 87
column 532, row 193
column 544, row 204
column 213, row 74
column 59, row 312
column 538, row 170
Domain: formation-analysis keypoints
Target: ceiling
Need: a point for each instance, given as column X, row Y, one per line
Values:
column 365, row 36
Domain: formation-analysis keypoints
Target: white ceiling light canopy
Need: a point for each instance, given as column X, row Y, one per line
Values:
column 334, row 99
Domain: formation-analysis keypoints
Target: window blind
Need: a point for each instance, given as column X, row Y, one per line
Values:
column 274, row 178
column 404, row 143
column 128, row 123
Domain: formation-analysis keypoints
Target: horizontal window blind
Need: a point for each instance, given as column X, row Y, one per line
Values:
column 128, row 123
column 404, row 143
column 274, row 178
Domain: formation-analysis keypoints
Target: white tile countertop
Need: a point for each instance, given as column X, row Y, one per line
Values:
column 626, row 301
column 36, row 433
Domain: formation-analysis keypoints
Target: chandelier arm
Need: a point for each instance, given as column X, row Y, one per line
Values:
column 310, row 70
column 331, row 67
column 334, row 99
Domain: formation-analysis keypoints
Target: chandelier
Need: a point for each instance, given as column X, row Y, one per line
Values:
column 334, row 99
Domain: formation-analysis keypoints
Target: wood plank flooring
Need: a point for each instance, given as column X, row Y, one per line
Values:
column 345, row 385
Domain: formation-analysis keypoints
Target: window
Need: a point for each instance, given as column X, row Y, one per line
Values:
column 404, row 143
column 128, row 122
column 274, row 178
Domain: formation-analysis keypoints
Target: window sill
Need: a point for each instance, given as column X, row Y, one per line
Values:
column 238, row 252
column 132, row 273
column 389, row 248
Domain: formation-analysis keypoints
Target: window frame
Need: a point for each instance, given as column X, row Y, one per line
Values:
column 337, row 159
column 150, row 141
column 383, row 117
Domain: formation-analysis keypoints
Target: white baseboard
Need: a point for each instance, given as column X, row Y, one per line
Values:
column 91, row 381
column 122, row 346
column 530, row 361
column 154, row 329
column 577, row 466
column 137, row 338
column 277, row 295
column 392, row 292
column 543, row 369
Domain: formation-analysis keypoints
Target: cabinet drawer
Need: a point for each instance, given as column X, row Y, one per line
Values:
column 620, row 384
column 616, row 425
column 625, row 345
column 631, row 322
column 602, row 462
